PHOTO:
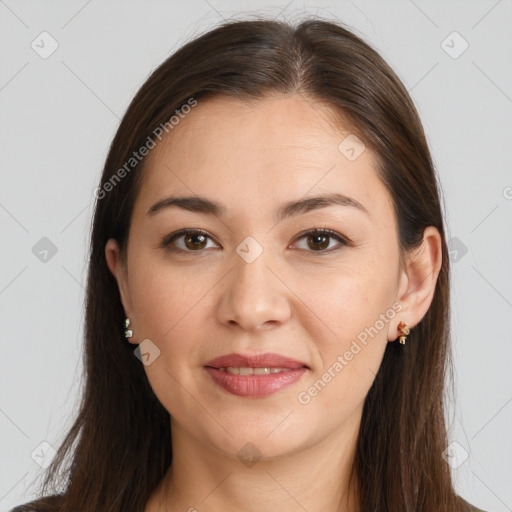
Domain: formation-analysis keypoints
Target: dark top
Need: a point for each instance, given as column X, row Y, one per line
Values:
column 471, row 508
column 51, row 504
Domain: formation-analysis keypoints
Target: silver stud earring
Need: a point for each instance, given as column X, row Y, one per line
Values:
column 128, row 333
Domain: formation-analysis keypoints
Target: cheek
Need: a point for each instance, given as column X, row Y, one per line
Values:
column 347, row 298
column 349, row 328
column 165, row 297
column 168, row 304
column 347, row 312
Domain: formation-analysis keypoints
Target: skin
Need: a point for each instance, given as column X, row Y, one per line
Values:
column 293, row 299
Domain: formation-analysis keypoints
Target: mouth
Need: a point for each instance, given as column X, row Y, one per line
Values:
column 255, row 375
column 267, row 361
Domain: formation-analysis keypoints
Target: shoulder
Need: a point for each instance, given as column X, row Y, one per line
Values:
column 469, row 507
column 46, row 504
column 472, row 508
column 52, row 504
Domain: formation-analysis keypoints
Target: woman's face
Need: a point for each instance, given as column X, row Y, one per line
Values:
column 256, row 281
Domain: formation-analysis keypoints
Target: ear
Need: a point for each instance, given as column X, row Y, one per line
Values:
column 418, row 281
column 115, row 264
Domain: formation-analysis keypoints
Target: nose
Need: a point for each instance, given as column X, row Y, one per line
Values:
column 254, row 295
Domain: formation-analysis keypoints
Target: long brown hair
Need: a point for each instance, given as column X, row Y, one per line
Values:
column 119, row 447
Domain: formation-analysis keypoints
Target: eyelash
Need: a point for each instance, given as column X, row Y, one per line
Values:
column 168, row 239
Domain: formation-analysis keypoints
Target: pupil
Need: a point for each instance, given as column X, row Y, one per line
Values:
column 190, row 239
column 320, row 237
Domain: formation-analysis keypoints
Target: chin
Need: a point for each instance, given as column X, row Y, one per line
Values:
column 255, row 443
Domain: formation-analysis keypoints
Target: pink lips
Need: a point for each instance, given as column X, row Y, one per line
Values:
column 255, row 385
column 255, row 361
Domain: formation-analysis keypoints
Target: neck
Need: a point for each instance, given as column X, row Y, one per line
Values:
column 313, row 479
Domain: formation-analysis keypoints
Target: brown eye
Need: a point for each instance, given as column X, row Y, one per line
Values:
column 191, row 240
column 195, row 241
column 318, row 240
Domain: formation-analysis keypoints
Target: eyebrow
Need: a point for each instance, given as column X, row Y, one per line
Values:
column 198, row 204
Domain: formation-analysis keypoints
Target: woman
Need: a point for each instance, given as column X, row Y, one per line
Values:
column 268, row 234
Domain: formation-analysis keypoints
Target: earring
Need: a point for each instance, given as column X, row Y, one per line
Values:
column 402, row 327
column 128, row 333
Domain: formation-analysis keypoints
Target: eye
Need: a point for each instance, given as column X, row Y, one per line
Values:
column 318, row 240
column 193, row 240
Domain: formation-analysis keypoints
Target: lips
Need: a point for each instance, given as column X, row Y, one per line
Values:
column 230, row 372
column 256, row 361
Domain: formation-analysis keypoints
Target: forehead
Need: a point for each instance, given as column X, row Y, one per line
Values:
column 252, row 153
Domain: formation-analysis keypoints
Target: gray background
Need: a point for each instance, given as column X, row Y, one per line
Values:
column 59, row 114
